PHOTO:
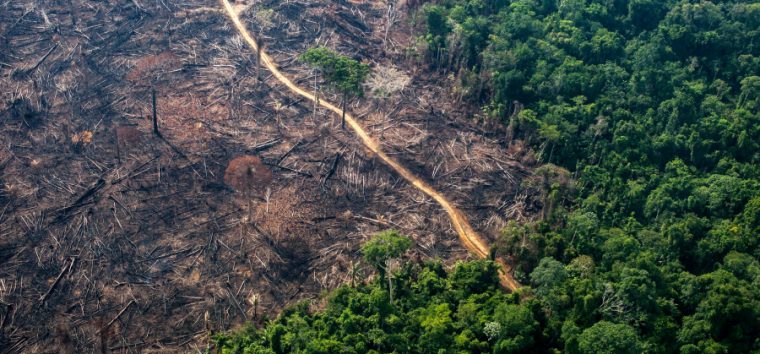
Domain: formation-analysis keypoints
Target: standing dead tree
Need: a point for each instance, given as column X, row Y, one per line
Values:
column 391, row 17
column 148, row 72
column 155, row 115
column 264, row 18
column 248, row 175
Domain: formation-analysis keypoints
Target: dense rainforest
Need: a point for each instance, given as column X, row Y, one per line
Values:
column 644, row 116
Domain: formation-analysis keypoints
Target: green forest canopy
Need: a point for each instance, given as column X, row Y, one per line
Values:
column 652, row 106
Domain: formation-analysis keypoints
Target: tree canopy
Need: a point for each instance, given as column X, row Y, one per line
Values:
column 651, row 107
column 385, row 245
column 435, row 312
column 343, row 73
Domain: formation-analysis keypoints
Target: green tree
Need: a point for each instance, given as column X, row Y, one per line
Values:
column 548, row 274
column 726, row 317
column 436, row 323
column 438, row 29
column 648, row 111
column 382, row 249
column 346, row 75
column 518, row 328
column 606, row 337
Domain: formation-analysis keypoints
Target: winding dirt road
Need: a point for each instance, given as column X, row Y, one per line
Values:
column 467, row 234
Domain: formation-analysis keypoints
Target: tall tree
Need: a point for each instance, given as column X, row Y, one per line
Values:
column 344, row 74
column 382, row 249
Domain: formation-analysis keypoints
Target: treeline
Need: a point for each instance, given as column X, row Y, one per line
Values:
column 646, row 116
column 432, row 311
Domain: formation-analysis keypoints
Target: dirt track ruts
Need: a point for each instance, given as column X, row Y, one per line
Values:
column 467, row 234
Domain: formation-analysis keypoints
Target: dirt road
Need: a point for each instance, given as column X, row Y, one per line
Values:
column 467, row 234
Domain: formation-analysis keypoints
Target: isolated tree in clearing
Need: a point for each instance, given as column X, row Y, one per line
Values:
column 344, row 74
column 248, row 175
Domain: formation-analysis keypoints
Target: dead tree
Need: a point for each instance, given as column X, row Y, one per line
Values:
column 155, row 116
column 248, row 175
column 264, row 18
column 149, row 72
column 391, row 17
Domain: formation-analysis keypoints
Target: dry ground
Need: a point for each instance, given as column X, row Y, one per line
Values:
column 112, row 239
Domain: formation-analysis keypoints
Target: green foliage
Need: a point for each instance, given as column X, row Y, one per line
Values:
column 727, row 314
column 384, row 246
column 518, row 327
column 653, row 108
column 461, row 316
column 605, row 337
column 437, row 29
column 343, row 73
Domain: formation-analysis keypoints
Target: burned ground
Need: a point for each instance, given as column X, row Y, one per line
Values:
column 115, row 239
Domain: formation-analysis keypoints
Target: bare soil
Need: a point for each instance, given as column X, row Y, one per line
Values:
column 115, row 239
